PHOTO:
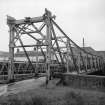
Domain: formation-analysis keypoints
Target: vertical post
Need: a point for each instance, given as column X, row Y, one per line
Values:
column 91, row 63
column 83, row 61
column 36, row 59
column 10, row 22
column 100, row 62
column 48, row 39
column 86, row 64
column 95, row 63
column 79, row 64
column 73, row 58
column 67, row 62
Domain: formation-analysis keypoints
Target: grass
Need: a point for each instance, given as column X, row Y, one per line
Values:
column 54, row 96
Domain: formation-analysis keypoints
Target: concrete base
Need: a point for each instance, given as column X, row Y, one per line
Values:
column 84, row 81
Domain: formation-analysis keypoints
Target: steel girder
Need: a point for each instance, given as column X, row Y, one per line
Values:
column 52, row 42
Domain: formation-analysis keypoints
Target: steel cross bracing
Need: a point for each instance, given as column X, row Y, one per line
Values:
column 60, row 53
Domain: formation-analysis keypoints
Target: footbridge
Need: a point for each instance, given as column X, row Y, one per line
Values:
column 59, row 53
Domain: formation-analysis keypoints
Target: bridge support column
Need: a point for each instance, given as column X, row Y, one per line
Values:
column 49, row 43
column 95, row 63
column 86, row 63
column 36, row 59
column 91, row 64
column 100, row 64
column 67, row 62
column 79, row 64
column 10, row 22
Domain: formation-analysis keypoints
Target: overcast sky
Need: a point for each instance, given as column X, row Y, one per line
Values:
column 78, row 18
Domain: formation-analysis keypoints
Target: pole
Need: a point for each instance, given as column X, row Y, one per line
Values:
column 67, row 62
column 10, row 22
column 48, row 39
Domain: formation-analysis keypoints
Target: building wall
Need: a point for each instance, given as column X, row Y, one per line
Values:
column 25, row 59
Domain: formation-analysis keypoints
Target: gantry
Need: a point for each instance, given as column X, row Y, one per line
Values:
column 54, row 44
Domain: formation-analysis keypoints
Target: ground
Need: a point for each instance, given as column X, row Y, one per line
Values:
column 33, row 92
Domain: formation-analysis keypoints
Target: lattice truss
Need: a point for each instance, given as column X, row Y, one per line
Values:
column 45, row 36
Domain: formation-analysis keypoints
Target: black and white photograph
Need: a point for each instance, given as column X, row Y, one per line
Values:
column 52, row 52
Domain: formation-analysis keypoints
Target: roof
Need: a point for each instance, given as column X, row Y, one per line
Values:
column 34, row 53
column 87, row 49
column 91, row 50
column 30, row 53
column 101, row 53
column 4, row 54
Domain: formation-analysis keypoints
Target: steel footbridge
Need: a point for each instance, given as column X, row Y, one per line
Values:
column 59, row 52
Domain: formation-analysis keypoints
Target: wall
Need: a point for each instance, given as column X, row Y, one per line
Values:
column 84, row 81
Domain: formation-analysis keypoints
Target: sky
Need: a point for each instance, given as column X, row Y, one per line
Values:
column 78, row 18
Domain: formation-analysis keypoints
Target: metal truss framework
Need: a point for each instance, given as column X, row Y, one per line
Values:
column 57, row 49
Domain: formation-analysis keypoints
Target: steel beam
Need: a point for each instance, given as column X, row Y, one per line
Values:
column 28, row 20
column 67, row 62
column 11, row 51
column 49, row 43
